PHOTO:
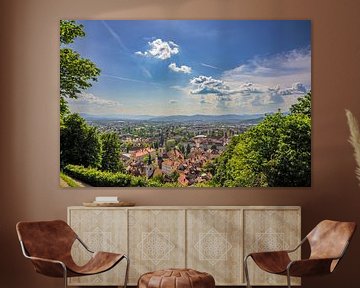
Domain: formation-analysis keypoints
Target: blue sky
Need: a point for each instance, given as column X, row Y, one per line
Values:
column 180, row 67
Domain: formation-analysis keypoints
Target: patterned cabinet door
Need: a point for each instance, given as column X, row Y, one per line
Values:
column 101, row 230
column 269, row 230
column 214, row 244
column 156, row 240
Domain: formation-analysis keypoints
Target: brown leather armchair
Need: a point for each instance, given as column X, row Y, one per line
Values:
column 328, row 242
column 48, row 245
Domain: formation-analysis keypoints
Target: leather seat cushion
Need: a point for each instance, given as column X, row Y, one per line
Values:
column 176, row 278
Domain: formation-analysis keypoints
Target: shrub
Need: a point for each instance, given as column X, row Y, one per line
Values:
column 97, row 178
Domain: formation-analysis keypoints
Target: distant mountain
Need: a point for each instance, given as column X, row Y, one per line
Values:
column 180, row 118
column 208, row 118
column 115, row 117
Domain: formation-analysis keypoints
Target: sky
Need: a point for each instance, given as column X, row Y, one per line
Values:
column 182, row 67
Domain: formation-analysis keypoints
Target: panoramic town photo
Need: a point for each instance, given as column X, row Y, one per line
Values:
column 185, row 103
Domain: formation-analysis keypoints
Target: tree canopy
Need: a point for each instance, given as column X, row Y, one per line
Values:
column 76, row 73
column 69, row 30
column 111, row 147
column 80, row 143
column 276, row 152
column 303, row 106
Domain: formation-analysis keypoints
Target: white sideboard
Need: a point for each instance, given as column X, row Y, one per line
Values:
column 211, row 239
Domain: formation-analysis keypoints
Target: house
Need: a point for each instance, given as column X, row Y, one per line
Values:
column 140, row 154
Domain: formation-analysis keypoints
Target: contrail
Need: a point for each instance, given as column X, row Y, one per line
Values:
column 115, row 35
column 210, row 66
column 123, row 78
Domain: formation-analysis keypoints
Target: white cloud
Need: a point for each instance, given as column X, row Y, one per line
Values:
column 160, row 49
column 203, row 85
column 92, row 104
column 271, row 80
column 297, row 88
column 281, row 69
column 183, row 68
column 248, row 94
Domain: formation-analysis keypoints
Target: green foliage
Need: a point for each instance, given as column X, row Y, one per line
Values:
column 80, row 143
column 170, row 144
column 69, row 181
column 76, row 73
column 97, row 178
column 64, row 108
column 188, row 149
column 219, row 166
column 174, row 176
column 111, row 148
column 303, row 106
column 69, row 30
column 276, row 152
column 293, row 167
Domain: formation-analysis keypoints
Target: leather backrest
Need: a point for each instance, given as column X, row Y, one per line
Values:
column 329, row 238
column 46, row 239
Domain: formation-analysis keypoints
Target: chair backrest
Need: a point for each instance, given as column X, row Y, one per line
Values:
column 329, row 239
column 46, row 239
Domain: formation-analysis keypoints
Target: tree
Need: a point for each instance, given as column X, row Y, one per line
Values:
column 303, row 106
column 170, row 144
column 219, row 168
column 173, row 177
column 293, row 167
column 188, row 149
column 276, row 152
column 80, row 143
column 69, row 30
column 111, row 148
column 128, row 146
column 76, row 73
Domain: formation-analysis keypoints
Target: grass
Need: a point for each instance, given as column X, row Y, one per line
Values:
column 69, row 181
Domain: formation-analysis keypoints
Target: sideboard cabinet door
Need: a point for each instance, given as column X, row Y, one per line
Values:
column 214, row 244
column 101, row 230
column 269, row 230
column 156, row 240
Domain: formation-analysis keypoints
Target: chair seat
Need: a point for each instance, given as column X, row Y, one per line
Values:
column 272, row 262
column 99, row 262
column 176, row 278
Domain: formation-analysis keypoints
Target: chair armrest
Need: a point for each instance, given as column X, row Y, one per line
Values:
column 84, row 245
column 298, row 246
column 309, row 267
column 268, row 254
column 280, row 251
column 48, row 267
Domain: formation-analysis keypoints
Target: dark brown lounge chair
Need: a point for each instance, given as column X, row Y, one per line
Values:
column 328, row 242
column 48, row 245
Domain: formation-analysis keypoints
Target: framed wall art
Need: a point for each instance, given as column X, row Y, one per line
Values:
column 179, row 103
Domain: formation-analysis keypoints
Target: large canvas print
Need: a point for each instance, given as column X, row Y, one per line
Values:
column 180, row 103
